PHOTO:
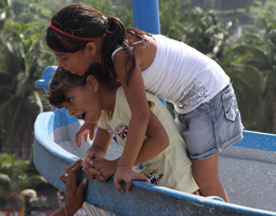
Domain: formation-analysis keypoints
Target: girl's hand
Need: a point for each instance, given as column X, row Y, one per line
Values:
column 74, row 192
column 124, row 173
column 88, row 167
column 85, row 130
column 106, row 167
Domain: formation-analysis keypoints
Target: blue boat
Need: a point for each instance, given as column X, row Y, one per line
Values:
column 247, row 171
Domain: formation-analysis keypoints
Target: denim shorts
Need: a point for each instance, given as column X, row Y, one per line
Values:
column 211, row 127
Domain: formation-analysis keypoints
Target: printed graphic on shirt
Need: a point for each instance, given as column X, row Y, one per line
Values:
column 142, row 166
column 153, row 176
column 110, row 131
column 121, row 129
column 195, row 94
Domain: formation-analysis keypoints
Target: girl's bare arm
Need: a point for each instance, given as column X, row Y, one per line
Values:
column 136, row 97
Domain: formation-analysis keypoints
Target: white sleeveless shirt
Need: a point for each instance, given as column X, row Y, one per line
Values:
column 182, row 75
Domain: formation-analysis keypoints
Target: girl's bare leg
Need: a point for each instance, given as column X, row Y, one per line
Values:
column 206, row 174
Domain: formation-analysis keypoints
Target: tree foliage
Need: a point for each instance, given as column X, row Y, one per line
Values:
column 23, row 56
column 255, row 64
column 15, row 177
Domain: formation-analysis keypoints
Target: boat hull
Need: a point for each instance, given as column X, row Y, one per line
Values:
column 54, row 150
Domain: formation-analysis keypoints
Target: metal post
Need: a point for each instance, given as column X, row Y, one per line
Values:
column 146, row 15
column 146, row 18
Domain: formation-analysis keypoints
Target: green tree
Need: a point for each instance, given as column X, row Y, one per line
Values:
column 255, row 66
column 23, row 56
column 113, row 8
column 14, row 179
column 27, row 11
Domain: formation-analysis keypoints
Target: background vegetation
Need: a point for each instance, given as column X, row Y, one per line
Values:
column 239, row 35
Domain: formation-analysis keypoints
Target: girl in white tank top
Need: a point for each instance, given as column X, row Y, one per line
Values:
column 196, row 85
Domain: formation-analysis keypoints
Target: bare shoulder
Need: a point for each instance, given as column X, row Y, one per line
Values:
column 145, row 52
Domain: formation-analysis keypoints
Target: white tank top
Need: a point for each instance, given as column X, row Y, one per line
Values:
column 182, row 75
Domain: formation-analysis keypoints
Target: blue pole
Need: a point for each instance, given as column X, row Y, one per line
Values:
column 146, row 18
column 146, row 15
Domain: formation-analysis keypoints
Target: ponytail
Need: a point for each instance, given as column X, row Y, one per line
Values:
column 116, row 33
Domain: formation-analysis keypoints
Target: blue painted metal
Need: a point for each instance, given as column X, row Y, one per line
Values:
column 257, row 140
column 146, row 15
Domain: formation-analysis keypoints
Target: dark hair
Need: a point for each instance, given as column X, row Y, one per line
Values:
column 63, row 81
column 84, row 21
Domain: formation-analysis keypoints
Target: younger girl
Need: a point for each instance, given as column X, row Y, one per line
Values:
column 205, row 104
column 90, row 98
